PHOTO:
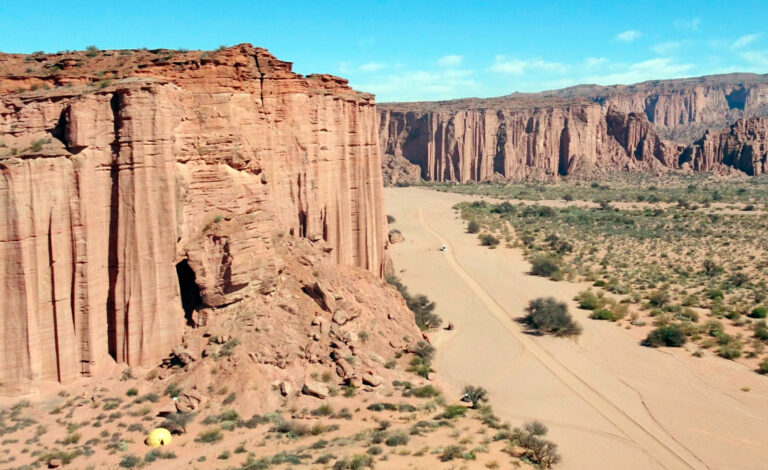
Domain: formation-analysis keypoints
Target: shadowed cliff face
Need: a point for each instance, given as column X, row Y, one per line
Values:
column 578, row 131
column 116, row 168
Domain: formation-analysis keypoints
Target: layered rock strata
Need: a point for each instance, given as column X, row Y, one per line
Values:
column 130, row 180
column 575, row 131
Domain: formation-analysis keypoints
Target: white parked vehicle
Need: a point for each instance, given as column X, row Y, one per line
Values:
column 443, row 248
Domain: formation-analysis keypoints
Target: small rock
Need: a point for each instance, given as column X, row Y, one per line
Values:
column 344, row 368
column 289, row 307
column 376, row 358
column 340, row 317
column 54, row 463
column 372, row 379
column 184, row 355
column 315, row 389
column 212, row 350
column 285, row 388
column 395, row 236
column 431, row 376
column 355, row 381
column 188, row 402
column 329, row 300
column 450, row 326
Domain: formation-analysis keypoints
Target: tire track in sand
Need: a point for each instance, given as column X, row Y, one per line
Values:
column 670, row 457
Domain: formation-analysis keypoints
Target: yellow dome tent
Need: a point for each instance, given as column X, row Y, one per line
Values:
column 158, row 437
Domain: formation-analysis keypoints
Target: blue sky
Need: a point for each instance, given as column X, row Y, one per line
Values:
column 424, row 50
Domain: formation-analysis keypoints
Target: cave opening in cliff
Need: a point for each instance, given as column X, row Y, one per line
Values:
column 191, row 299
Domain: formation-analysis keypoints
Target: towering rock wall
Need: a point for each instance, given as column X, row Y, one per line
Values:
column 540, row 143
column 683, row 109
column 743, row 146
column 575, row 131
column 117, row 167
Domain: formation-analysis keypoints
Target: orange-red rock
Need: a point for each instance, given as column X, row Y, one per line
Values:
column 575, row 131
column 114, row 168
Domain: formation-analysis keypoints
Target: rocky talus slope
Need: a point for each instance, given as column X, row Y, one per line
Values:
column 652, row 126
column 137, row 187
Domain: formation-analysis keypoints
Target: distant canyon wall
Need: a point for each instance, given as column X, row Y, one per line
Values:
column 585, row 130
column 117, row 169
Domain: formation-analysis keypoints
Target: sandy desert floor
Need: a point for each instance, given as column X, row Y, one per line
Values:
column 609, row 402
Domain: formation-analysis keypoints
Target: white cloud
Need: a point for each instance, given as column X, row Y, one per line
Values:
column 690, row 24
column 759, row 58
column 595, row 61
column 659, row 68
column 422, row 85
column 373, row 66
column 745, row 40
column 450, row 61
column 628, row 36
column 503, row 64
column 668, row 48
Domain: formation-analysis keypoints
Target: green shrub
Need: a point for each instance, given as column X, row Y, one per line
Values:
column 476, row 395
column 453, row 411
column 473, row 226
column 486, row 239
column 210, row 436
column 588, row 300
column 545, row 266
column 763, row 367
column 602, row 314
column 714, row 294
column 450, row 453
column 427, row 391
column 758, row 312
column 92, row 51
column 130, row 461
column 177, row 422
column 397, row 439
column 549, row 316
column 423, row 311
column 670, row 336
column 156, row 454
column 730, row 350
column 173, row 390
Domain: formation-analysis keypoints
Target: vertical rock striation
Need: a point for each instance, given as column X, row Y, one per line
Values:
column 575, row 131
column 106, row 184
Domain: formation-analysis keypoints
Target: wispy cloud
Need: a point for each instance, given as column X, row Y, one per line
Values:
column 450, row 61
column 373, row 66
column 658, row 68
column 595, row 61
column 745, row 40
column 668, row 47
column 688, row 24
column 758, row 58
column 423, row 85
column 503, row 64
column 628, row 36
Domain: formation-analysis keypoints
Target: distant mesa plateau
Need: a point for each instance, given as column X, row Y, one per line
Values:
column 712, row 124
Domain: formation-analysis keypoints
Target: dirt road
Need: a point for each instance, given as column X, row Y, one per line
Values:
column 609, row 402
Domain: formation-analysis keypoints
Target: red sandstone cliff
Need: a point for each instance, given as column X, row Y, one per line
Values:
column 575, row 131
column 743, row 146
column 683, row 109
column 117, row 166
